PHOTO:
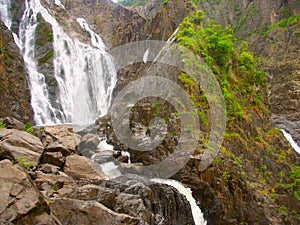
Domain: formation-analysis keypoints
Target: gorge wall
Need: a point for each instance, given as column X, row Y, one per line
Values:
column 249, row 182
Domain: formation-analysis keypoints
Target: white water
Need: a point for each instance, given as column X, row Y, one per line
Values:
column 291, row 141
column 4, row 12
column 85, row 74
column 197, row 214
column 104, row 146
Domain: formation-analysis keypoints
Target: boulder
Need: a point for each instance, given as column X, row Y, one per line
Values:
column 79, row 168
column 21, row 202
column 54, row 158
column 89, row 141
column 72, row 211
column 48, row 168
column 60, row 138
column 16, row 144
column 103, row 156
column 135, row 168
column 13, row 123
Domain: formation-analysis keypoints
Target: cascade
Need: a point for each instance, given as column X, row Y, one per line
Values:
column 85, row 73
column 196, row 211
column 290, row 139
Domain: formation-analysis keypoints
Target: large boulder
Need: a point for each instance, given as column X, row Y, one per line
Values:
column 60, row 138
column 16, row 144
column 72, row 211
column 79, row 168
column 60, row 141
column 21, row 202
column 13, row 123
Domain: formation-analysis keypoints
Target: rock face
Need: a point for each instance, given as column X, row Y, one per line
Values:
column 20, row 145
column 76, row 191
column 276, row 45
column 14, row 90
column 71, row 211
column 21, row 202
column 153, row 203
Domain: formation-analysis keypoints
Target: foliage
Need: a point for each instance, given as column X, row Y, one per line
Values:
column 28, row 128
column 283, row 23
column 24, row 163
column 234, row 67
column 2, row 125
column 295, row 176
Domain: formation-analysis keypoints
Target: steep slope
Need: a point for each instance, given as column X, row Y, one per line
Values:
column 272, row 30
column 14, row 91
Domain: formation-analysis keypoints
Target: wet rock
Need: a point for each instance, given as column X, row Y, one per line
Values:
column 87, row 152
column 15, row 144
column 103, row 156
column 21, row 203
column 135, row 168
column 79, row 168
column 155, row 203
column 72, row 211
column 89, row 141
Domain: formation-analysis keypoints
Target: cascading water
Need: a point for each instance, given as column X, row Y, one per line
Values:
column 290, row 139
column 196, row 211
column 85, row 74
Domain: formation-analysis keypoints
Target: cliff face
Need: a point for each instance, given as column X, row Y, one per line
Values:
column 249, row 182
column 273, row 35
column 14, row 91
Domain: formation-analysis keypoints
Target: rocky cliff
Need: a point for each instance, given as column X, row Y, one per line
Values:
column 272, row 30
column 253, row 180
column 14, row 91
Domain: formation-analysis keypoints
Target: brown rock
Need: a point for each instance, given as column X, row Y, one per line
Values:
column 16, row 144
column 54, row 158
column 79, row 168
column 13, row 123
column 105, row 196
column 21, row 203
column 60, row 138
column 71, row 211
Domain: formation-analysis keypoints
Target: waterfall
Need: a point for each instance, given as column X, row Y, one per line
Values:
column 196, row 211
column 85, row 73
column 4, row 12
column 290, row 139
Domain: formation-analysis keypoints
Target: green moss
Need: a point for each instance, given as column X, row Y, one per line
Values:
column 46, row 57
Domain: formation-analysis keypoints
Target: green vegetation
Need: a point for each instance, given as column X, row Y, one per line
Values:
column 295, row 176
column 25, row 164
column 2, row 125
column 235, row 68
column 28, row 128
column 46, row 57
column 283, row 23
